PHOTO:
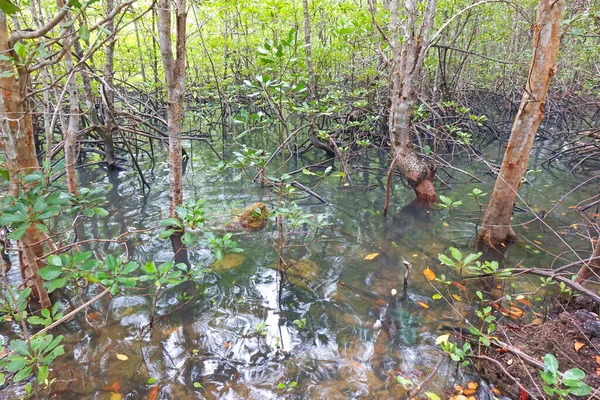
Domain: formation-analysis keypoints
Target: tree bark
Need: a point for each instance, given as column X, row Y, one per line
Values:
column 406, row 71
column 592, row 268
column 174, row 68
column 546, row 40
column 16, row 132
column 110, row 125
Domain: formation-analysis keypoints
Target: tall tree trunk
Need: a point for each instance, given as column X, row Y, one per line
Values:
column 174, row 68
column 546, row 39
column 109, row 128
column 406, row 71
column 70, row 136
column 18, row 145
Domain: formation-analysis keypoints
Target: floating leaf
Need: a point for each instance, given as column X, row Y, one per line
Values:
column 424, row 305
column 153, row 393
column 371, row 256
column 122, row 357
column 456, row 297
column 429, row 274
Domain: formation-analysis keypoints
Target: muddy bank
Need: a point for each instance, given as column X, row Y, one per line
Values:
column 573, row 337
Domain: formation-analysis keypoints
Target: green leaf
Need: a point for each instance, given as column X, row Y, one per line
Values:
column 101, row 212
column 471, row 257
column 84, row 33
column 55, row 261
column 583, row 390
column 457, row 254
column 166, row 234
column 50, row 273
column 432, row 396
column 22, row 374
column 18, row 233
column 573, row 374
column 550, row 363
column 8, row 7
column 446, row 260
column 15, row 364
column 42, row 374
column 152, row 380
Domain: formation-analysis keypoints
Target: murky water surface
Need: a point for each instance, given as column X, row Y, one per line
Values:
column 351, row 339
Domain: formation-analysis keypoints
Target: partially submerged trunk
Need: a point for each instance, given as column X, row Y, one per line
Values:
column 174, row 68
column 18, row 145
column 406, row 71
column 546, row 39
column 110, row 125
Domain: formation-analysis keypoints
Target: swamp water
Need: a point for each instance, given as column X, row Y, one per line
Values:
column 238, row 340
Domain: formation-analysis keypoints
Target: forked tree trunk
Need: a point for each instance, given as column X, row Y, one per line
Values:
column 406, row 71
column 546, row 39
column 174, row 68
column 17, row 143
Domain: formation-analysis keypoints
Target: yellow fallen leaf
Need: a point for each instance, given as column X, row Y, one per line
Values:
column 415, row 255
column 443, row 339
column 371, row 256
column 537, row 321
column 456, row 297
column 537, row 242
column 473, row 385
column 115, row 396
column 122, row 357
column 578, row 346
column 429, row 274
column 424, row 305
column 519, row 297
column 446, row 224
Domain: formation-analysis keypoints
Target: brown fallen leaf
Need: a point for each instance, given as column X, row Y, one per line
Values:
column 468, row 392
column 424, row 305
column 578, row 346
column 456, row 297
column 115, row 387
column 153, row 393
column 597, row 359
column 371, row 256
column 473, row 385
column 429, row 274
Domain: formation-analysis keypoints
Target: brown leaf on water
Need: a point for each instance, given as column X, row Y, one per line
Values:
column 429, row 274
column 115, row 387
column 371, row 256
column 153, row 393
column 578, row 346
column 424, row 305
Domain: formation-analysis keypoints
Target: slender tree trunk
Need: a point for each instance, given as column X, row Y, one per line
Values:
column 70, row 136
column 174, row 68
column 110, row 126
column 406, row 71
column 546, row 39
column 17, row 143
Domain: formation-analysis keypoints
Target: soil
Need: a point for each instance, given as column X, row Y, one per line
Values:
column 573, row 336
